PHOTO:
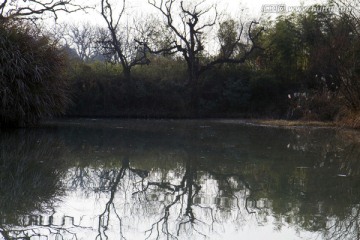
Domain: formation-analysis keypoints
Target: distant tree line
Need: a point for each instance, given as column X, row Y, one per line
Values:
column 299, row 66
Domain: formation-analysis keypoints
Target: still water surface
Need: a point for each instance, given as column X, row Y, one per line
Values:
column 162, row 179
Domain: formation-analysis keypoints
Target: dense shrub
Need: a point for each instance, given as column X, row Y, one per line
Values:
column 99, row 89
column 225, row 91
column 32, row 77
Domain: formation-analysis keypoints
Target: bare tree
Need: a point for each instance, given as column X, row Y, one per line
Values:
column 84, row 39
column 34, row 9
column 56, row 33
column 121, row 38
column 349, row 8
column 189, row 27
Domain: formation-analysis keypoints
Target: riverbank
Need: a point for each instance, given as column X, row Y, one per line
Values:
column 293, row 123
column 353, row 125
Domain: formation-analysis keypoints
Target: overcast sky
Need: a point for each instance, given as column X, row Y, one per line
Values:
column 234, row 8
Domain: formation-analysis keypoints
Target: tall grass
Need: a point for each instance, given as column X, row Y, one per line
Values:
column 349, row 118
column 32, row 77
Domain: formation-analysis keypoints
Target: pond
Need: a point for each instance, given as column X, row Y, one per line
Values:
column 178, row 179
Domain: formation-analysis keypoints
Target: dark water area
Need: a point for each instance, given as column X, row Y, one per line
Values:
column 178, row 179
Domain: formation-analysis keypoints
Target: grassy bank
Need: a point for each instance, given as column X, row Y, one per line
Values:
column 293, row 123
column 343, row 123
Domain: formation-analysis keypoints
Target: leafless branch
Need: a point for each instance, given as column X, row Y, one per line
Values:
column 245, row 56
column 34, row 9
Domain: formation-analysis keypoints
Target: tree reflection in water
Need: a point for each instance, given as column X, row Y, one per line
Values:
column 30, row 185
column 113, row 184
column 190, row 183
column 171, row 199
column 183, row 194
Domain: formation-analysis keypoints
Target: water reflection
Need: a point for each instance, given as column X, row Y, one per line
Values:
column 30, row 182
column 114, row 179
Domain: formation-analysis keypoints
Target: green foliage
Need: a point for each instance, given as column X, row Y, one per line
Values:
column 268, row 98
column 307, row 67
column 99, row 89
column 32, row 77
column 226, row 90
column 313, row 54
column 283, row 48
column 228, row 38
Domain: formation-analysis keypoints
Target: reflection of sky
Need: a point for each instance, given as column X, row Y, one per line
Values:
column 298, row 195
column 138, row 215
column 228, row 230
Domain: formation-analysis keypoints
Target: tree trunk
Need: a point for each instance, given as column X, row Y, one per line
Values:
column 194, row 91
column 127, row 74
